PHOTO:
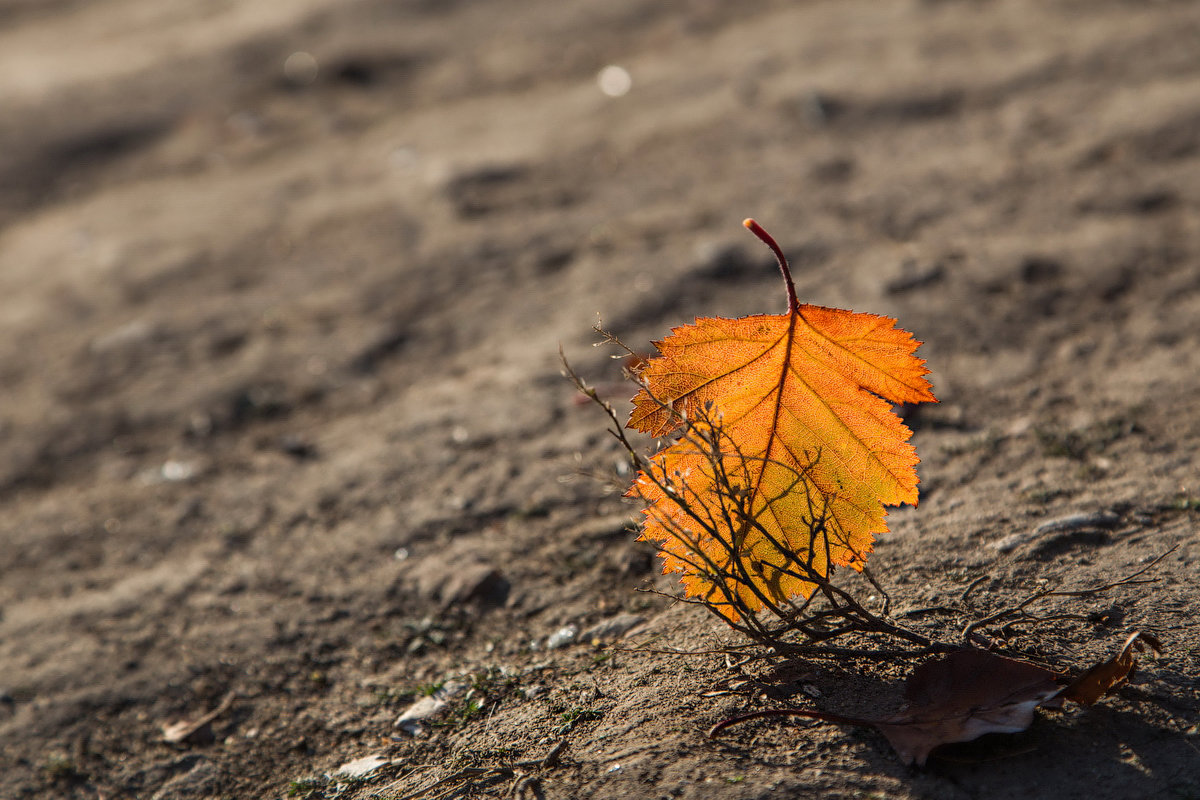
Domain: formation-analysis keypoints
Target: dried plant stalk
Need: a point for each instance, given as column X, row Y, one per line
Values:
column 712, row 535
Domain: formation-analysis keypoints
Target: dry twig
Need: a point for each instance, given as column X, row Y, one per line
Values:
column 829, row 612
column 1019, row 615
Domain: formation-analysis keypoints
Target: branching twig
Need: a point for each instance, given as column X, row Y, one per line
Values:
column 714, row 529
column 708, row 534
column 1016, row 614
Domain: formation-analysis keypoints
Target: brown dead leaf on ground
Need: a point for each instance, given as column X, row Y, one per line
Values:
column 963, row 696
column 968, row 693
column 956, row 698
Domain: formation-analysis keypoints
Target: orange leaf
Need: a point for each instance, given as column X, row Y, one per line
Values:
column 810, row 451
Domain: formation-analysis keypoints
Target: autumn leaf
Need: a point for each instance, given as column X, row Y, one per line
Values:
column 956, row 698
column 968, row 693
column 964, row 695
column 791, row 448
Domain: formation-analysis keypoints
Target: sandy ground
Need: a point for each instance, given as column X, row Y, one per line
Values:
column 283, row 431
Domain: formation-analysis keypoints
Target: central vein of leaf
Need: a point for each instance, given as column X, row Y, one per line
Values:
column 784, row 366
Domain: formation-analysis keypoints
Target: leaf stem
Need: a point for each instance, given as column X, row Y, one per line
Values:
column 769, row 241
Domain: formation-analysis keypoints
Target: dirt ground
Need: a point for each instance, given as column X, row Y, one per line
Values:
column 283, row 432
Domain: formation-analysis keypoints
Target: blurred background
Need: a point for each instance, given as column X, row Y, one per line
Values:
column 282, row 287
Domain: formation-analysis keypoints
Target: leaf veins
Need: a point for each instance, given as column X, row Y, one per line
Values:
column 808, row 451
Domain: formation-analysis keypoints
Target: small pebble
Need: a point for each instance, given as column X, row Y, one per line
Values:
column 412, row 720
column 562, row 637
column 361, row 767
